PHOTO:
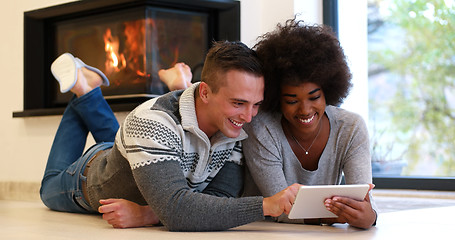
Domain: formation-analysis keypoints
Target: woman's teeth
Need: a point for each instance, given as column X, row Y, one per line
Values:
column 308, row 120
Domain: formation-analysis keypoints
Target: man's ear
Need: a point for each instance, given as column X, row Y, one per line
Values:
column 204, row 91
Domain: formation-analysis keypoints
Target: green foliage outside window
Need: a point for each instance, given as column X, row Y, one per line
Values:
column 415, row 58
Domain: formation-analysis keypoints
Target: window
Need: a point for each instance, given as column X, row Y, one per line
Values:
column 406, row 51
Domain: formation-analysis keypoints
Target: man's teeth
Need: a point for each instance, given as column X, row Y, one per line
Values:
column 238, row 124
column 306, row 120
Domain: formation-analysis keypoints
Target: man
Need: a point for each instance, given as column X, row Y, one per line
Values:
column 176, row 159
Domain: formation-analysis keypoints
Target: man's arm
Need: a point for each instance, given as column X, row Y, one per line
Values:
column 154, row 145
column 121, row 213
column 164, row 187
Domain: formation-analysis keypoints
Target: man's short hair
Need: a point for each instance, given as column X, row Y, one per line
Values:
column 224, row 56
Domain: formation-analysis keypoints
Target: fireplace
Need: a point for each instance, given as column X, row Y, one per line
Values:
column 129, row 40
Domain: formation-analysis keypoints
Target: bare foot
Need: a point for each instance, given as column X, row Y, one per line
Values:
column 177, row 77
column 87, row 80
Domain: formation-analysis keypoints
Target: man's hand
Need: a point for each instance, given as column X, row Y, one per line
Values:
column 121, row 213
column 357, row 213
column 281, row 202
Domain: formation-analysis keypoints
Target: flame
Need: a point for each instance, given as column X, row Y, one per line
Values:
column 113, row 57
column 132, row 57
column 136, row 46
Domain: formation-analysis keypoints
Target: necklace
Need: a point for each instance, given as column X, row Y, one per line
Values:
column 306, row 151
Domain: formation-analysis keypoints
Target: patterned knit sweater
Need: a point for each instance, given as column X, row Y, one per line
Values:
column 162, row 158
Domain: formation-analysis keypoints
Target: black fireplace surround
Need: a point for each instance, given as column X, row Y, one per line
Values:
column 45, row 28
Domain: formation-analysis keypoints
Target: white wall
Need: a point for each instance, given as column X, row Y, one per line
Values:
column 353, row 35
column 25, row 142
column 261, row 16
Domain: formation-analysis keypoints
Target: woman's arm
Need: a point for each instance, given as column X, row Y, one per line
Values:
column 262, row 151
column 357, row 170
column 357, row 213
column 262, row 156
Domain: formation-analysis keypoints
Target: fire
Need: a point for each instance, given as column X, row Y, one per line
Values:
column 135, row 32
column 113, row 56
column 114, row 59
column 131, row 58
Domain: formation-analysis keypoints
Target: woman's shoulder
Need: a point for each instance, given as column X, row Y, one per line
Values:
column 343, row 116
column 345, row 122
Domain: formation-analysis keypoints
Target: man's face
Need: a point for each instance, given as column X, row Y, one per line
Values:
column 236, row 102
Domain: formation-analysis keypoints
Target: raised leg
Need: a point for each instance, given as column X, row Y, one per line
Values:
column 86, row 112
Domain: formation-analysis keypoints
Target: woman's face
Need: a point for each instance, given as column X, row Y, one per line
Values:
column 303, row 106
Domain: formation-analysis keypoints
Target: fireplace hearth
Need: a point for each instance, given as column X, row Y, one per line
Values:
column 129, row 40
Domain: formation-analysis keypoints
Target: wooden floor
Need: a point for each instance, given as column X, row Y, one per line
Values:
column 401, row 217
column 399, row 200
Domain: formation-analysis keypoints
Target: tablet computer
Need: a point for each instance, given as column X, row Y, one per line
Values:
column 309, row 202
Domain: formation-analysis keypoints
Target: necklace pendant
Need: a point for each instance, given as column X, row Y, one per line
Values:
column 306, row 153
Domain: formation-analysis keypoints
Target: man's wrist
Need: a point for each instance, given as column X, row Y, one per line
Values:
column 265, row 207
column 149, row 216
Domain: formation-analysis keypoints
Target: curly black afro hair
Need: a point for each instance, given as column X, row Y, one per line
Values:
column 297, row 53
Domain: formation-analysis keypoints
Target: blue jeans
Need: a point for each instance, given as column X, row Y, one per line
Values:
column 61, row 187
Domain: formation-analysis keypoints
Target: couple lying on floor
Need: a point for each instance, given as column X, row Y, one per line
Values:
column 179, row 159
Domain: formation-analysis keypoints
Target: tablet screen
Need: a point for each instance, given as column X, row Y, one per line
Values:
column 309, row 202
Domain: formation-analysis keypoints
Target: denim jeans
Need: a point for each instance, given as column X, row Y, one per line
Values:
column 61, row 187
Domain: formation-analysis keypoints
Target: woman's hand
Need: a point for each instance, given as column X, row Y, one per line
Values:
column 281, row 202
column 121, row 213
column 357, row 213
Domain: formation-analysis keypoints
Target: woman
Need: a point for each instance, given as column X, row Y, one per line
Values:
column 300, row 136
